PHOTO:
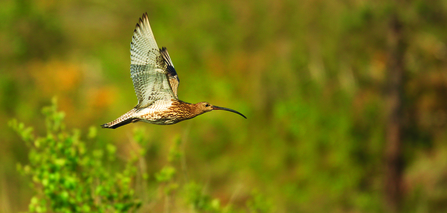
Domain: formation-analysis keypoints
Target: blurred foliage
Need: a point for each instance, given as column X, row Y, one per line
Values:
column 67, row 177
column 310, row 76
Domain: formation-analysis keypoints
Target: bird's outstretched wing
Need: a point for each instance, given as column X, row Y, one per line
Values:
column 148, row 67
column 172, row 74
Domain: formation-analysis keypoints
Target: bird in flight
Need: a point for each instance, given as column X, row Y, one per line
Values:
column 155, row 82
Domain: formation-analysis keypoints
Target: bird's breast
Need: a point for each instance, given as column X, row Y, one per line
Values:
column 165, row 112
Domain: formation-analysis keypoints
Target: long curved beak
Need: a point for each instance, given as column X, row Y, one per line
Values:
column 229, row 110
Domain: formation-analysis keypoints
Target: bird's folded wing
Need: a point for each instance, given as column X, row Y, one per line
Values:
column 147, row 67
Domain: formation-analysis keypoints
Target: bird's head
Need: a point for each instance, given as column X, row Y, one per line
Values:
column 203, row 107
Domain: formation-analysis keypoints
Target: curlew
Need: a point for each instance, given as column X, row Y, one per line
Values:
column 155, row 82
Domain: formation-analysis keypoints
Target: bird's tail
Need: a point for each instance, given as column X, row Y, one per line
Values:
column 127, row 118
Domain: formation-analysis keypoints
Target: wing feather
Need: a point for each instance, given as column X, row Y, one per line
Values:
column 172, row 74
column 148, row 68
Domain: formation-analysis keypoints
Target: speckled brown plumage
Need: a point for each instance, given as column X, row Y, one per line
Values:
column 155, row 81
column 178, row 111
column 182, row 111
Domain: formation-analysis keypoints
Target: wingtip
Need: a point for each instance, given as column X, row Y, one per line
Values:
column 141, row 21
column 144, row 18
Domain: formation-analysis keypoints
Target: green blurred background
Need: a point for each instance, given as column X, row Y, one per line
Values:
column 312, row 76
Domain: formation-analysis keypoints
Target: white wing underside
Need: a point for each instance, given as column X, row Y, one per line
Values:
column 147, row 68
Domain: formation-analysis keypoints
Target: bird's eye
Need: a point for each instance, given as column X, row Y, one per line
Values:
column 207, row 105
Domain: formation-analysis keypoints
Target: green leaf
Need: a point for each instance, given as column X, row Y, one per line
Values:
column 165, row 174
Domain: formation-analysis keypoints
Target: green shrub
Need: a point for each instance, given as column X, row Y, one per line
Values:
column 67, row 176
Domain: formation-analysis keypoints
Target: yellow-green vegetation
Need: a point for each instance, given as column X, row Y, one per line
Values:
column 69, row 176
column 312, row 76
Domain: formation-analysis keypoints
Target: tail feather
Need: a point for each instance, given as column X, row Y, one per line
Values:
column 127, row 118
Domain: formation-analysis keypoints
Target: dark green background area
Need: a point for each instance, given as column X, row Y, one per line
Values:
column 311, row 76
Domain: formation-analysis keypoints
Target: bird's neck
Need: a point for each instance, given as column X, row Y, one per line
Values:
column 189, row 110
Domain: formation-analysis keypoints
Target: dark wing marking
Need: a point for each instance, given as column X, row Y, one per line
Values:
column 172, row 74
column 148, row 67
